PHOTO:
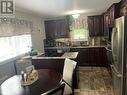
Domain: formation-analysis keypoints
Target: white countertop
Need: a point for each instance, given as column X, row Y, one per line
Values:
column 77, row 47
column 70, row 55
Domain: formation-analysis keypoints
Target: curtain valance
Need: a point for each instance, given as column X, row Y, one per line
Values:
column 13, row 27
column 79, row 23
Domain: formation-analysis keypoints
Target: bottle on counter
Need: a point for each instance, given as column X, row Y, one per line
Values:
column 23, row 76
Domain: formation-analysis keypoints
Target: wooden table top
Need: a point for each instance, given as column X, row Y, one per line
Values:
column 48, row 79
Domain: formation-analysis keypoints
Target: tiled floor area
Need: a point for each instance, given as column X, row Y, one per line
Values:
column 94, row 81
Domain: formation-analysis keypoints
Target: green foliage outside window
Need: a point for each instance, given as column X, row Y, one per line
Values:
column 80, row 32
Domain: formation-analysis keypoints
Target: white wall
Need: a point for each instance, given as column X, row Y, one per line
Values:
column 38, row 33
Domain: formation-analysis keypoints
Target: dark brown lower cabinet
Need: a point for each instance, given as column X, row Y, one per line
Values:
column 56, row 64
column 91, row 56
column 84, row 57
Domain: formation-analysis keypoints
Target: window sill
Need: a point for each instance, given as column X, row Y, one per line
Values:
column 12, row 59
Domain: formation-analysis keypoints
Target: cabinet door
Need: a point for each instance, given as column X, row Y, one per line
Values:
column 97, row 56
column 56, row 29
column 50, row 29
column 113, row 11
column 101, row 26
column 106, row 21
column 95, row 25
column 84, row 57
column 101, row 59
column 111, row 16
column 91, row 26
column 62, row 28
column 92, row 57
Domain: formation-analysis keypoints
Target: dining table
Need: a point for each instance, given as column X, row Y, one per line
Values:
column 47, row 79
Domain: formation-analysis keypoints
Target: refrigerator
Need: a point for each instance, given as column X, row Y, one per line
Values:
column 119, row 54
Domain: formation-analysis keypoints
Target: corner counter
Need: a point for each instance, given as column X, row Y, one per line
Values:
column 87, row 46
column 56, row 63
column 70, row 55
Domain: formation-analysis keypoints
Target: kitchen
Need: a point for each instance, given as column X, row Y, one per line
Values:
column 85, row 37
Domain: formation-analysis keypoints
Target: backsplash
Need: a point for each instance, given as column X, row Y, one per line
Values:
column 97, row 41
column 93, row 41
column 70, row 42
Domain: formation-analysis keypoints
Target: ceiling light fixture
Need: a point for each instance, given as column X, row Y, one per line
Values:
column 75, row 15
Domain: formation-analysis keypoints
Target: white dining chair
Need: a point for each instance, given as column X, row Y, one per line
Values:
column 69, row 67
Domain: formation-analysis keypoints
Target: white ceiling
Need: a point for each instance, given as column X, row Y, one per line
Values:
column 57, row 8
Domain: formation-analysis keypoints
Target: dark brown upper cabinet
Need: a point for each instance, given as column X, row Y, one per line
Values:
column 123, row 8
column 109, row 17
column 113, row 13
column 106, row 23
column 56, row 29
column 49, row 29
column 95, row 25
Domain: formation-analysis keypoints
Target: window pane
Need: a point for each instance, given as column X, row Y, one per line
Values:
column 79, row 29
column 6, row 50
column 14, row 46
column 22, row 44
column 81, row 34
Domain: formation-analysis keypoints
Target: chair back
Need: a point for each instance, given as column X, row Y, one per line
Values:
column 59, row 90
column 69, row 67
